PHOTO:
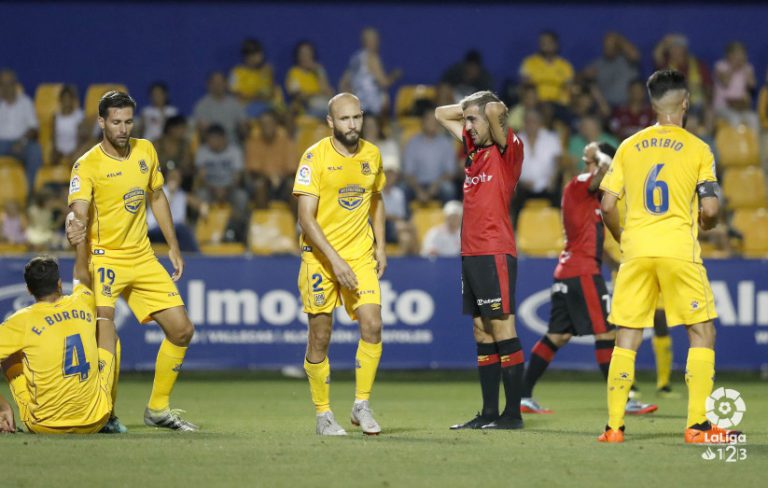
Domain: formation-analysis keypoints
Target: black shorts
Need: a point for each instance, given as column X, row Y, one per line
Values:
column 580, row 306
column 488, row 285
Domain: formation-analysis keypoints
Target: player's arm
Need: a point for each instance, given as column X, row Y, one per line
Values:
column 76, row 234
column 709, row 204
column 610, row 211
column 312, row 232
column 162, row 211
column 7, row 424
column 80, row 273
column 603, row 163
column 452, row 118
column 496, row 113
column 378, row 220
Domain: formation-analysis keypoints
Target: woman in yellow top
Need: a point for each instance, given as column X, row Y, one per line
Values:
column 307, row 83
column 253, row 81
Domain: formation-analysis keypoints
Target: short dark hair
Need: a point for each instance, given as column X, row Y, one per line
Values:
column 158, row 84
column 481, row 99
column 215, row 130
column 299, row 45
column 42, row 276
column 172, row 122
column 70, row 90
column 664, row 81
column 115, row 99
column 550, row 33
column 607, row 148
column 251, row 46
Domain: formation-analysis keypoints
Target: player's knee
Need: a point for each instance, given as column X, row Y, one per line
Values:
column 560, row 339
column 319, row 338
column 182, row 335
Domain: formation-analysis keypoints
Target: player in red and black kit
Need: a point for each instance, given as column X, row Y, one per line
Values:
column 488, row 253
column 580, row 299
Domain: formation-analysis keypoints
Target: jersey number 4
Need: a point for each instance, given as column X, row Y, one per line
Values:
column 656, row 195
column 74, row 358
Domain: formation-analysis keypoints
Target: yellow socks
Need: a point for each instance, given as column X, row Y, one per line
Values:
column 699, row 376
column 107, row 371
column 169, row 360
column 366, row 364
column 319, row 376
column 662, row 349
column 621, row 375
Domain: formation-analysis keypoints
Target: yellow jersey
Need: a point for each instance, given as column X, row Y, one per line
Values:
column 656, row 172
column 61, row 359
column 118, row 191
column 549, row 77
column 343, row 186
column 251, row 82
column 305, row 82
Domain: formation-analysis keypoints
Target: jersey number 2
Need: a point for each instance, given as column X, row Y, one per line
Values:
column 74, row 358
column 656, row 192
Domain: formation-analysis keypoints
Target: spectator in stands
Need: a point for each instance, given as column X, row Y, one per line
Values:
column 672, row 52
column 69, row 133
column 220, row 108
column 468, row 75
column 430, row 162
column 178, row 201
column 253, row 81
column 445, row 239
column 586, row 101
column 539, row 177
column 633, row 116
column 307, row 83
column 444, row 95
column 13, row 224
column 398, row 229
column 734, row 82
column 219, row 172
column 154, row 115
column 270, row 162
column 46, row 221
column 18, row 125
column 366, row 77
column 762, row 113
column 174, row 151
column 615, row 69
column 388, row 147
column 529, row 100
column 590, row 130
column 548, row 72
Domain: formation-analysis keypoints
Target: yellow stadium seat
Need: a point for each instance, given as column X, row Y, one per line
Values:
column 309, row 135
column 46, row 104
column 745, row 187
column 223, row 249
column 756, row 235
column 13, row 181
column 537, row 203
column 408, row 94
column 272, row 231
column 94, row 94
column 6, row 248
column 742, row 217
column 424, row 218
column 210, row 230
column 737, row 146
column 539, row 231
column 52, row 175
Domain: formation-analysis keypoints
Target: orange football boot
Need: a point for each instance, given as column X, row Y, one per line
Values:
column 713, row 435
column 612, row 436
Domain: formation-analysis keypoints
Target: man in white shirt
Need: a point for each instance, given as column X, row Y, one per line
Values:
column 18, row 125
column 445, row 239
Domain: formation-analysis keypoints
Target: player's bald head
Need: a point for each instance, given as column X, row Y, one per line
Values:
column 343, row 101
column 668, row 91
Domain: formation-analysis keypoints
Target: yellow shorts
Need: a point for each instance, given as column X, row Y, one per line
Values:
column 687, row 295
column 144, row 283
column 321, row 293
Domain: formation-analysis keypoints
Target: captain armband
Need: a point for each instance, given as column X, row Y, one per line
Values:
column 708, row 189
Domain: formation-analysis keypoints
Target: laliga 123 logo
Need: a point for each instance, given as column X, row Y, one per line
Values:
column 725, row 408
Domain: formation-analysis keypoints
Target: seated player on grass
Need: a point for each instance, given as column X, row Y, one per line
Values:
column 58, row 372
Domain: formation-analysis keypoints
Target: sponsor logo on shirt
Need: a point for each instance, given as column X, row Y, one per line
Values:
column 488, row 301
column 471, row 181
column 304, row 175
column 133, row 200
column 115, row 174
column 351, row 196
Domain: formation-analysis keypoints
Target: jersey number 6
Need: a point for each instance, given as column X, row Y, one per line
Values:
column 656, row 195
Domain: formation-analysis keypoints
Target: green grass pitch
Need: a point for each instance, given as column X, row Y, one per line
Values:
column 258, row 430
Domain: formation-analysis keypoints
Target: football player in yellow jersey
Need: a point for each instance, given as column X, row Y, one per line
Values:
column 666, row 176
column 338, row 184
column 60, row 374
column 110, row 187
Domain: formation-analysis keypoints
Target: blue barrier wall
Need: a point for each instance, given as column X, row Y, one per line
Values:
column 180, row 42
column 248, row 315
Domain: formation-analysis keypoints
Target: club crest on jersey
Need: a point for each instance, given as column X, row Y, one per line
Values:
column 319, row 299
column 365, row 168
column 133, row 199
column 351, row 196
column 143, row 166
column 106, row 290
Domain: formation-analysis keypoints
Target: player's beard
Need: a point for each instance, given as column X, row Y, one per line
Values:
column 116, row 142
column 349, row 139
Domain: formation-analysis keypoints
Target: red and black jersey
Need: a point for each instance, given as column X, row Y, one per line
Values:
column 584, row 231
column 490, row 178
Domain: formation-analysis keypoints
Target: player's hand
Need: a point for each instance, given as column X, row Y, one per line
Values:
column 381, row 261
column 344, row 274
column 7, row 424
column 75, row 230
column 174, row 254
